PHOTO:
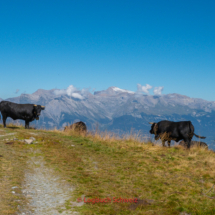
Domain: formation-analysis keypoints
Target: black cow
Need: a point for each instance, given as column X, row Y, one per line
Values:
column 194, row 143
column 78, row 126
column 168, row 130
column 27, row 112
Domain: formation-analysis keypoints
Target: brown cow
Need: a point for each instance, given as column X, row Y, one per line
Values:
column 78, row 127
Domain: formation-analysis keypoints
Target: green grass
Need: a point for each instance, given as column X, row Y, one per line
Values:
column 166, row 180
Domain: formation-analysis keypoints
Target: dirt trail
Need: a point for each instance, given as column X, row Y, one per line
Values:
column 46, row 192
column 3, row 135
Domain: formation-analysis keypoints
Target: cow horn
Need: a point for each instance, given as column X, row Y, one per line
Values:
column 151, row 123
column 42, row 106
column 35, row 105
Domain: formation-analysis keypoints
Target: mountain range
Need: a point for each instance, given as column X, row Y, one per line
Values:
column 120, row 110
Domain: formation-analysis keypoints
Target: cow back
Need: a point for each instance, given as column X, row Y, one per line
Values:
column 78, row 127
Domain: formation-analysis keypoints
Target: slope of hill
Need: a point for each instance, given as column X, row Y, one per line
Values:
column 99, row 174
column 120, row 110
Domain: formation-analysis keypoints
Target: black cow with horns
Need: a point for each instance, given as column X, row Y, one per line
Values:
column 168, row 130
column 27, row 112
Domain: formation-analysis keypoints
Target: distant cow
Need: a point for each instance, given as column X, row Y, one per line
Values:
column 27, row 112
column 194, row 143
column 78, row 126
column 168, row 130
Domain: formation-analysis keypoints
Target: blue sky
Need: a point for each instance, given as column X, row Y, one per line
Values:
column 98, row 44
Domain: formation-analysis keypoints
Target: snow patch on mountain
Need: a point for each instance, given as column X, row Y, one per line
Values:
column 116, row 89
column 77, row 95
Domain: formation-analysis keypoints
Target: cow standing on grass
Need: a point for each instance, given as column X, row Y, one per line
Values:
column 168, row 130
column 27, row 112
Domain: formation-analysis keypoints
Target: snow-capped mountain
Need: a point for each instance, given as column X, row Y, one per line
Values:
column 119, row 110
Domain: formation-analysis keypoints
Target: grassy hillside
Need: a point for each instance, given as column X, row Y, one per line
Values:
column 164, row 180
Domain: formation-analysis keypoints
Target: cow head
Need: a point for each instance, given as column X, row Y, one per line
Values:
column 154, row 129
column 36, row 110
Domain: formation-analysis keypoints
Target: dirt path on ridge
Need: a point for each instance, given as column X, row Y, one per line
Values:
column 46, row 192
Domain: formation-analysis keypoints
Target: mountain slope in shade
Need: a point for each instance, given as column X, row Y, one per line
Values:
column 120, row 110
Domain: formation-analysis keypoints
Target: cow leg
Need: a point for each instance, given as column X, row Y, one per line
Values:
column 163, row 143
column 188, row 141
column 26, row 124
column 169, row 143
column 188, row 144
column 4, row 120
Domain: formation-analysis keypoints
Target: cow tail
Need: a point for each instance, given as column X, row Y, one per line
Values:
column 199, row 136
column 192, row 131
